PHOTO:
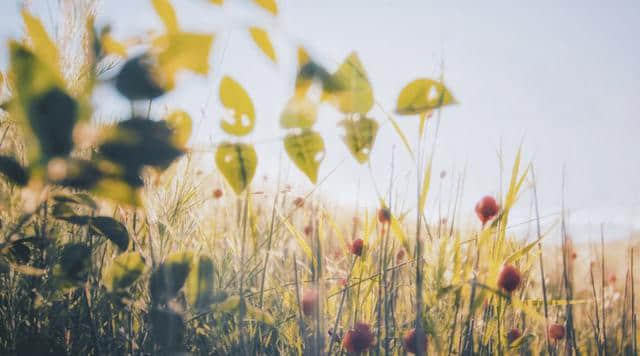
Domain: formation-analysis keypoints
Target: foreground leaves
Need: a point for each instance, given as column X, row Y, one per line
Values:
column 169, row 277
column 235, row 99
column 237, row 162
column 359, row 136
column 306, row 150
column 421, row 96
column 123, row 272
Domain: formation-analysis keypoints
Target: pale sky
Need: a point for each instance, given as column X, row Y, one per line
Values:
column 562, row 79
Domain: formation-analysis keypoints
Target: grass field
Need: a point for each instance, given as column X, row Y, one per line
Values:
column 115, row 241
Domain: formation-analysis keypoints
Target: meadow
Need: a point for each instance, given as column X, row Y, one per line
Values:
column 115, row 242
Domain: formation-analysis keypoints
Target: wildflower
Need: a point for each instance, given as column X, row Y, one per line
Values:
column 487, row 208
column 410, row 341
column 217, row 193
column 384, row 215
column 309, row 301
column 556, row 332
column 358, row 339
column 356, row 247
column 513, row 335
column 509, row 278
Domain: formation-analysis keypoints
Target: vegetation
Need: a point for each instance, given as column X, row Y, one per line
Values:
column 113, row 243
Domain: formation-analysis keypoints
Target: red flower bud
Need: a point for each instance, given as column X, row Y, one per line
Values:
column 356, row 247
column 358, row 339
column 410, row 342
column 509, row 278
column 556, row 332
column 309, row 301
column 487, row 208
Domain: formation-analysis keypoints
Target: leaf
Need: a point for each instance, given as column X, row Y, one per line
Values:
column 355, row 94
column 235, row 98
column 74, row 173
column 78, row 198
column 52, row 117
column 123, row 272
column 167, row 280
column 112, row 46
column 43, row 45
column 261, row 39
column 74, row 263
column 181, row 125
column 522, row 252
column 306, row 150
column 230, row 304
column 139, row 79
column 300, row 112
column 269, row 5
column 401, row 134
column 421, row 96
column 199, row 285
column 183, row 50
column 13, row 171
column 310, row 71
column 111, row 229
column 167, row 14
column 137, row 142
column 359, row 136
column 168, row 329
column 237, row 162
column 217, row 2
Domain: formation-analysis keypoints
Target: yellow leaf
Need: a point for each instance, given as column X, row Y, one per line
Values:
column 400, row 133
column 422, row 96
column 43, row 45
column 300, row 112
column 167, row 14
column 261, row 39
column 183, row 50
column 359, row 136
column 235, row 98
column 269, row 5
column 300, row 238
column 180, row 122
column 303, row 57
column 199, row 285
column 355, row 94
column 217, row 2
column 237, row 162
column 306, row 150
column 123, row 272
column 112, row 46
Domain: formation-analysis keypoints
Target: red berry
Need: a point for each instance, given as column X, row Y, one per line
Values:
column 358, row 339
column 400, row 255
column 384, row 215
column 513, row 335
column 356, row 247
column 411, row 343
column 509, row 278
column 574, row 255
column 612, row 279
column 556, row 332
column 486, row 209
column 309, row 301
column 217, row 193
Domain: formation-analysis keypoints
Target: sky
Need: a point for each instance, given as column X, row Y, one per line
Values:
column 561, row 79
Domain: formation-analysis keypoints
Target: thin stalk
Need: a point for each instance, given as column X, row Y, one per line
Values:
column 604, row 324
column 334, row 330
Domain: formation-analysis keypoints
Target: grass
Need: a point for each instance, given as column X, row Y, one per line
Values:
column 203, row 267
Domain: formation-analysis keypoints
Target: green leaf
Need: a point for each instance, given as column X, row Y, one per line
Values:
column 306, row 150
column 111, row 229
column 139, row 142
column 167, row 14
column 269, row 5
column 180, row 51
column 237, row 162
column 167, row 280
column 13, row 171
column 423, row 95
column 42, row 44
column 300, row 112
column 123, row 272
column 74, row 263
column 139, row 79
column 359, row 136
column 356, row 95
column 311, row 71
column 261, row 39
column 235, row 98
column 78, row 198
column 181, row 125
column 199, row 285
column 168, row 330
